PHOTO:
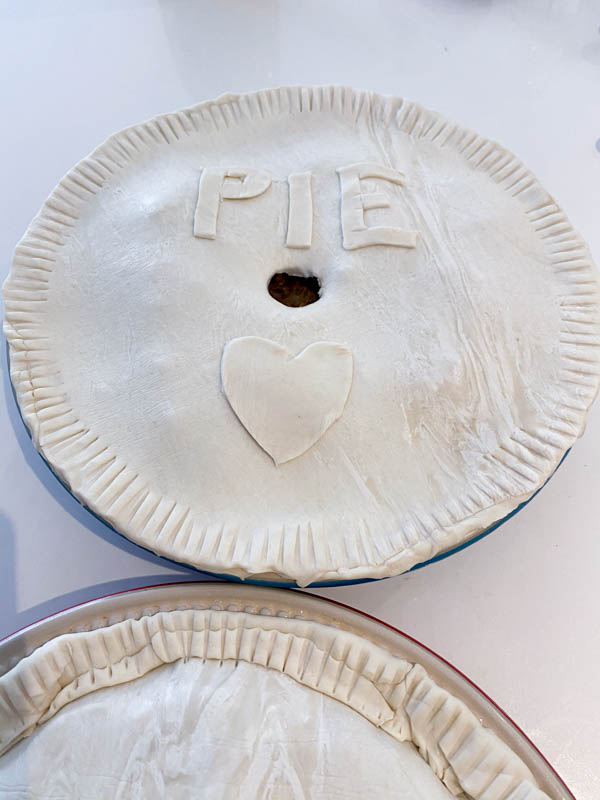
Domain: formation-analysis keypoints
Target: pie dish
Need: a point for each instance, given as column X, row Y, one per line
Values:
column 247, row 692
column 444, row 368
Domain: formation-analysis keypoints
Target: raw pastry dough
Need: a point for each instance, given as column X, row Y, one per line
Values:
column 471, row 319
column 286, row 403
column 217, row 732
column 389, row 693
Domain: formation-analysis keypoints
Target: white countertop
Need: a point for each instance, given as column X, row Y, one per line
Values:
column 517, row 612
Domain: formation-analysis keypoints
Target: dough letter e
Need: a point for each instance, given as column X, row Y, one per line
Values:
column 355, row 202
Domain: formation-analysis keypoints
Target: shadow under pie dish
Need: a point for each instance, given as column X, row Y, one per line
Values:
column 247, row 691
column 305, row 334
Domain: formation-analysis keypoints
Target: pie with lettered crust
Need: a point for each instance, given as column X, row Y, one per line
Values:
column 439, row 373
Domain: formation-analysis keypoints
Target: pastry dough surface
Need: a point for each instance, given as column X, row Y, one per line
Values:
column 473, row 332
column 234, row 730
column 41, row 695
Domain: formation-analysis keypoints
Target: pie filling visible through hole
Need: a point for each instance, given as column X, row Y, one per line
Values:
column 294, row 290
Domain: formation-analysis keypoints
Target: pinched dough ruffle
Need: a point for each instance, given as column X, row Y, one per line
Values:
column 393, row 694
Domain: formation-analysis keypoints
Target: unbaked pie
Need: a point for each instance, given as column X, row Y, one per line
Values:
column 434, row 360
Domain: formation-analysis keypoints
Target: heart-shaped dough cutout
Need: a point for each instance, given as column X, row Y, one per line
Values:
column 286, row 403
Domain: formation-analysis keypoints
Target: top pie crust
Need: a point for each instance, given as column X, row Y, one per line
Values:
column 464, row 305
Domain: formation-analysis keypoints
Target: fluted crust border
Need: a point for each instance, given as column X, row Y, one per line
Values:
column 391, row 693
